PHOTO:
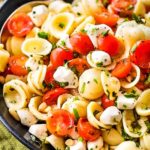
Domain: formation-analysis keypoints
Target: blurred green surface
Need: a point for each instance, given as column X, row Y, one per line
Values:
column 8, row 141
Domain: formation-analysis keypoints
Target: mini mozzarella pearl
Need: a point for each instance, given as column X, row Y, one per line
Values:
column 63, row 74
column 125, row 103
column 111, row 116
column 101, row 57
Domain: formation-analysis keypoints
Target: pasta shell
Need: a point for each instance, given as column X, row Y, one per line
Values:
column 14, row 114
column 60, row 24
column 88, row 20
column 143, row 104
column 90, row 79
column 33, row 107
column 36, row 46
column 112, row 137
column 129, row 119
column 112, row 90
column 144, row 141
column 91, row 109
column 4, row 56
column 14, row 95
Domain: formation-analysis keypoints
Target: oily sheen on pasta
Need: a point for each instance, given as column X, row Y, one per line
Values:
column 78, row 74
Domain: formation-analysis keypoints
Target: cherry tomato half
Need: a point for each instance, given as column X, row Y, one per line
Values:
column 109, row 44
column 59, row 56
column 78, row 65
column 17, row 65
column 122, row 69
column 106, row 102
column 20, row 24
column 81, row 43
column 123, row 7
column 51, row 96
column 107, row 18
column 60, row 123
column 141, row 55
column 87, row 131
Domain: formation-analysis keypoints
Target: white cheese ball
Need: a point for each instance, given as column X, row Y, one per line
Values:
column 90, row 86
column 111, row 116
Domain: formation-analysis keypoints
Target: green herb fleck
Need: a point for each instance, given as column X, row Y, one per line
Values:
column 131, row 95
column 63, row 84
column 124, row 106
column 148, row 126
column 137, row 19
column 76, row 114
column 29, row 69
column 44, row 84
column 83, row 87
column 114, row 94
column 134, row 48
column 147, row 81
column 80, row 139
column 43, row 35
column 63, row 43
column 130, row 7
column 83, row 31
column 105, row 33
column 99, row 64
column 96, row 1
column 75, row 98
column 105, row 3
column 67, row 148
column 95, row 80
column 62, row 25
column 54, row 45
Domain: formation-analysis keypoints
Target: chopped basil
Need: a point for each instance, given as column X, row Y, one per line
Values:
column 63, row 84
column 134, row 48
column 99, row 64
column 76, row 114
column 126, row 136
column 76, row 98
column 124, row 106
column 105, row 33
column 43, row 35
column 13, row 101
column 62, row 25
column 74, row 70
column 148, row 125
column 51, row 85
column 105, row 3
column 44, row 84
column 136, row 125
column 29, row 69
column 54, row 45
column 63, row 43
column 96, row 1
column 80, row 139
column 130, row 7
column 83, row 31
column 95, row 80
column 83, row 87
column 137, row 19
column 130, row 95
column 147, row 80
column 67, row 148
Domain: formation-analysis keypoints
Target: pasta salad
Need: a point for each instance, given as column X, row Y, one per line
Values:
column 78, row 75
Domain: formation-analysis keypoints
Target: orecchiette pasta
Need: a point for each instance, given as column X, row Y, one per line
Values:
column 83, row 70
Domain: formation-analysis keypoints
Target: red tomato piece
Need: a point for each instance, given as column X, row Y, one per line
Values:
column 20, row 24
column 122, row 69
column 87, row 131
column 106, row 102
column 59, row 56
column 124, row 7
column 107, row 18
column 17, row 65
column 60, row 122
column 141, row 55
column 81, row 43
column 50, row 98
column 109, row 44
column 78, row 65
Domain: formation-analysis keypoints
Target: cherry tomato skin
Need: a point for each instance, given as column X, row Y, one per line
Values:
column 124, row 7
column 141, row 55
column 81, row 43
column 107, row 18
column 109, row 44
column 20, row 25
column 87, row 131
column 50, row 98
column 106, row 102
column 17, row 65
column 60, row 122
column 79, row 64
column 122, row 69
column 49, row 80
column 59, row 56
